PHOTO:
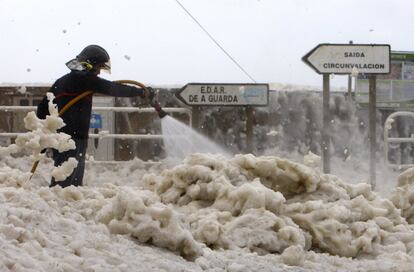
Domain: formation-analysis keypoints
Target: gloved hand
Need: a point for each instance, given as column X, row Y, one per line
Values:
column 149, row 93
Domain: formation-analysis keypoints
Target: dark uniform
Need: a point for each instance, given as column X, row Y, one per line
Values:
column 77, row 117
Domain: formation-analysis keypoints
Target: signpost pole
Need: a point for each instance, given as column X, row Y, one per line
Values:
column 349, row 88
column 372, row 129
column 325, row 129
column 195, row 118
column 350, row 83
column 249, row 129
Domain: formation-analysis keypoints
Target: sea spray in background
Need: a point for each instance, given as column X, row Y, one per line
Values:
column 181, row 140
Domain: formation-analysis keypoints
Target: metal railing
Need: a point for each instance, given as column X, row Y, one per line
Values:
column 104, row 135
column 398, row 140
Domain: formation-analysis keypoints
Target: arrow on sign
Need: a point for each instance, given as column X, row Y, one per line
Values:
column 226, row 94
column 349, row 58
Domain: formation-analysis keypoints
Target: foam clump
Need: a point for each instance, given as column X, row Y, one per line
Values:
column 10, row 177
column 280, row 175
column 403, row 195
column 42, row 135
column 224, row 209
column 140, row 214
column 269, row 204
column 293, row 256
column 65, row 170
column 312, row 160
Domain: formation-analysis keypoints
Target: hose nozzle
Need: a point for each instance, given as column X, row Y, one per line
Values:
column 158, row 109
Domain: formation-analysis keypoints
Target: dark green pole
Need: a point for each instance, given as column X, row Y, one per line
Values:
column 326, row 125
column 372, row 129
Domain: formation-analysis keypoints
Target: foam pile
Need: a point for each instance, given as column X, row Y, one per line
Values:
column 268, row 205
column 210, row 210
column 403, row 195
column 141, row 214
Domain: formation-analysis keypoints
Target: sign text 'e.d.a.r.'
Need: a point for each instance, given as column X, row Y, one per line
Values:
column 215, row 94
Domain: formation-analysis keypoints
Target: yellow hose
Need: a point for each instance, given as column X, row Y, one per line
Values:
column 73, row 101
column 35, row 164
column 133, row 82
column 79, row 97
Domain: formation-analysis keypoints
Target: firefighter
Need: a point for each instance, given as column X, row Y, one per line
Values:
column 82, row 78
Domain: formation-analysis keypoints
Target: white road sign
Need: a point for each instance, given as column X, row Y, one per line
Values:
column 349, row 58
column 205, row 94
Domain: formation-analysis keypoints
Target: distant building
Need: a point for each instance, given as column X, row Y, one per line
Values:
column 395, row 90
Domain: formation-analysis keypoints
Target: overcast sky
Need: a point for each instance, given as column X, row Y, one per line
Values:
column 156, row 42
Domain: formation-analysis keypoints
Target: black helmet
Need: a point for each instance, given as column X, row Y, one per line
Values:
column 93, row 54
column 92, row 57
